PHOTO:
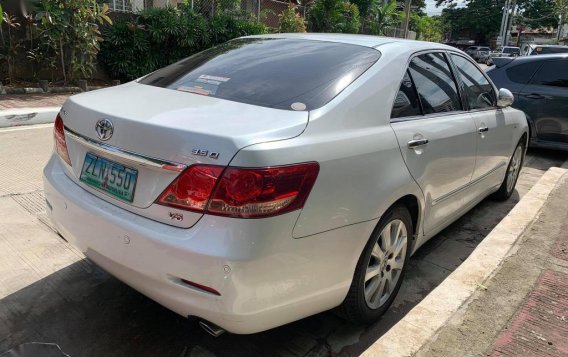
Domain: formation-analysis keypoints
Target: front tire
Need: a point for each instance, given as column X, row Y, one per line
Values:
column 380, row 269
column 510, row 181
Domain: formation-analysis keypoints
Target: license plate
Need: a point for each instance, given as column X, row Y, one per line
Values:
column 110, row 177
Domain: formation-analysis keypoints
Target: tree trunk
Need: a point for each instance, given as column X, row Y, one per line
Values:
column 62, row 55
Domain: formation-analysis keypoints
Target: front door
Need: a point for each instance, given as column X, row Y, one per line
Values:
column 545, row 101
column 437, row 137
column 494, row 134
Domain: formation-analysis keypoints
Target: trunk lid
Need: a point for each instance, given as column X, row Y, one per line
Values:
column 155, row 125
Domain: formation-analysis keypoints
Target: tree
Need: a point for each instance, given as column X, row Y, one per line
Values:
column 334, row 16
column 480, row 19
column 290, row 21
column 70, row 32
column 383, row 16
column 428, row 28
column 538, row 13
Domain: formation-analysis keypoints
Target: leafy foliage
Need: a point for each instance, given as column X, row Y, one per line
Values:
column 480, row 18
column 334, row 16
column 160, row 36
column 290, row 21
column 538, row 13
column 69, row 31
column 382, row 16
column 428, row 28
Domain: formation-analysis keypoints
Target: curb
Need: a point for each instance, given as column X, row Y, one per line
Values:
column 422, row 323
column 27, row 116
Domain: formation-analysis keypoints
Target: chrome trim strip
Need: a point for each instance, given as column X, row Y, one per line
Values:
column 126, row 155
column 480, row 178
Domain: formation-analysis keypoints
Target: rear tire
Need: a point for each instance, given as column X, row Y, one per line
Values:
column 381, row 268
column 513, row 169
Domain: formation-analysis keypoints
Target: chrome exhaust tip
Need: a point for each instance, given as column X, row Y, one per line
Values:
column 211, row 328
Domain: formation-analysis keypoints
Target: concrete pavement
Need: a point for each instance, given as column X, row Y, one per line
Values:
column 523, row 309
column 49, row 293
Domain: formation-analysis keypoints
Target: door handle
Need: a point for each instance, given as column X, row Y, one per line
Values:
column 412, row 144
column 483, row 129
column 534, row 96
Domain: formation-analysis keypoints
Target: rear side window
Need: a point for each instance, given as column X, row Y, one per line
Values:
column 290, row 74
column 406, row 103
column 435, row 83
column 478, row 90
column 552, row 73
column 522, row 73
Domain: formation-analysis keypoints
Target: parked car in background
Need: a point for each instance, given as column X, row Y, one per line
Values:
column 505, row 51
column 275, row 177
column 481, row 54
column 540, row 86
column 546, row 49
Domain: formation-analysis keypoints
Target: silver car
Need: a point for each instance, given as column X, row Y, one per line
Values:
column 274, row 177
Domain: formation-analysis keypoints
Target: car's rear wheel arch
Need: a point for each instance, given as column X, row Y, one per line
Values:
column 413, row 205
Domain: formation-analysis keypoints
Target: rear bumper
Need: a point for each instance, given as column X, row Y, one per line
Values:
column 265, row 277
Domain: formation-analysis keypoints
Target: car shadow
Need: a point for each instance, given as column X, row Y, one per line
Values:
column 87, row 312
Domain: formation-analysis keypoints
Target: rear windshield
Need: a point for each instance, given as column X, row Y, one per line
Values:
column 549, row 50
column 288, row 74
column 485, row 49
column 511, row 50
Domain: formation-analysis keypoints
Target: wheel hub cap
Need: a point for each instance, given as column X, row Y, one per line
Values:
column 386, row 263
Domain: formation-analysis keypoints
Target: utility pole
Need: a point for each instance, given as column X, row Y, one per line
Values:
column 509, row 22
column 407, row 18
column 503, row 19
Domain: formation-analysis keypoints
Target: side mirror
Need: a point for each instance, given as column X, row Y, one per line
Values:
column 505, row 99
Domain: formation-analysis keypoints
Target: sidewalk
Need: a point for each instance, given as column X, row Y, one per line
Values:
column 523, row 309
column 27, row 109
column 18, row 101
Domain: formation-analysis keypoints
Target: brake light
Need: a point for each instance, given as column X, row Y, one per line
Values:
column 59, row 137
column 191, row 190
column 242, row 192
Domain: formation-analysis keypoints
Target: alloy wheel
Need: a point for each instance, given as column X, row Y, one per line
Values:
column 514, row 168
column 385, row 265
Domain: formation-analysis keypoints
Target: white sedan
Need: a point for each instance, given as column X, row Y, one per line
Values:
column 274, row 177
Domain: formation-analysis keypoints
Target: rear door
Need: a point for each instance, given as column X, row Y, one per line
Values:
column 545, row 100
column 437, row 137
column 494, row 134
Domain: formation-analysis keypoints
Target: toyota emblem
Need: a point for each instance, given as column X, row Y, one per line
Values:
column 104, row 129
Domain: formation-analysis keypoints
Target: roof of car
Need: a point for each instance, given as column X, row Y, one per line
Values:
column 541, row 57
column 535, row 45
column 361, row 40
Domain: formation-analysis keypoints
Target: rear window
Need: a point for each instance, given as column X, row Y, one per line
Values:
column 485, row 49
column 511, row 50
column 287, row 74
column 549, row 50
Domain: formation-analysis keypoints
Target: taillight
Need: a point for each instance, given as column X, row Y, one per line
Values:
column 191, row 190
column 263, row 192
column 59, row 136
column 242, row 192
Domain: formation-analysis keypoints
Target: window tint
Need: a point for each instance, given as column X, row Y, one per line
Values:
column 435, row 84
column 478, row 90
column 406, row 102
column 277, row 73
column 552, row 73
column 523, row 72
column 549, row 50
